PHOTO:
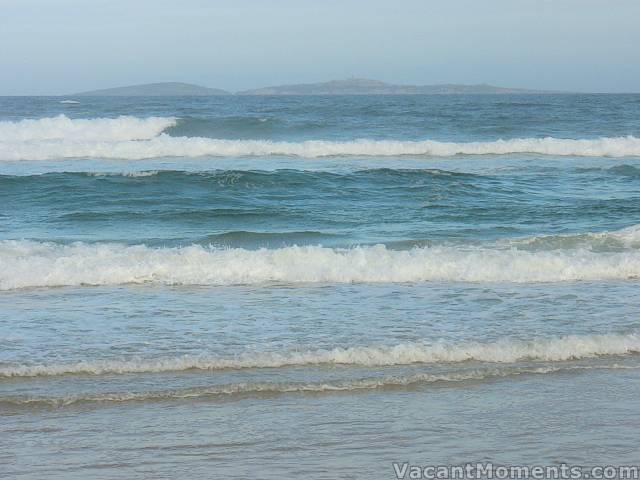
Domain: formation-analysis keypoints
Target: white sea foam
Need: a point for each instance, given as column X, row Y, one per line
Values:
column 64, row 133
column 271, row 388
column 35, row 264
column 572, row 347
column 261, row 388
column 139, row 138
column 626, row 238
column 143, row 173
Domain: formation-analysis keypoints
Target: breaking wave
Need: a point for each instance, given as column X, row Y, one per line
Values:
column 79, row 130
column 143, row 173
column 628, row 237
column 139, row 138
column 41, row 264
column 572, row 347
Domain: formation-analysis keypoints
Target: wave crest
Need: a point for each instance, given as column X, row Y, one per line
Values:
column 74, row 131
column 139, row 138
column 34, row 264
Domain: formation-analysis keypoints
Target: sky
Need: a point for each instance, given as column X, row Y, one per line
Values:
column 65, row 46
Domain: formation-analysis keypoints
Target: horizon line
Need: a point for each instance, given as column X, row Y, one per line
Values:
column 524, row 90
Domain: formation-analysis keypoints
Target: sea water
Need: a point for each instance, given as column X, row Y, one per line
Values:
column 316, row 287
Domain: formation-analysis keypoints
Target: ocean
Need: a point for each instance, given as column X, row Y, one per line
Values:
column 317, row 287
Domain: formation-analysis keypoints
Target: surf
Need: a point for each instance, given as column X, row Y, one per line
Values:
column 132, row 138
column 61, row 128
column 558, row 349
column 45, row 264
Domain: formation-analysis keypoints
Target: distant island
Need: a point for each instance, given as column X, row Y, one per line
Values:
column 166, row 89
column 352, row 86
column 364, row 86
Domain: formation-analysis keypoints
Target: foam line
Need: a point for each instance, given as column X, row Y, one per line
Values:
column 34, row 264
column 267, row 388
column 572, row 347
column 140, row 138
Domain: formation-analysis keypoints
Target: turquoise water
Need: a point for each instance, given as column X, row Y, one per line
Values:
column 282, row 287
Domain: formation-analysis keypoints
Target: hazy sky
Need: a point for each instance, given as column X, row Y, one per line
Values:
column 63, row 46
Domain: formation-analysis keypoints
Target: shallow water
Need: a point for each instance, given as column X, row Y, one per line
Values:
column 195, row 289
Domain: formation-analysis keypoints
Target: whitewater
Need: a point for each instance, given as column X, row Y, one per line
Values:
column 549, row 350
column 31, row 264
column 132, row 138
column 378, row 278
